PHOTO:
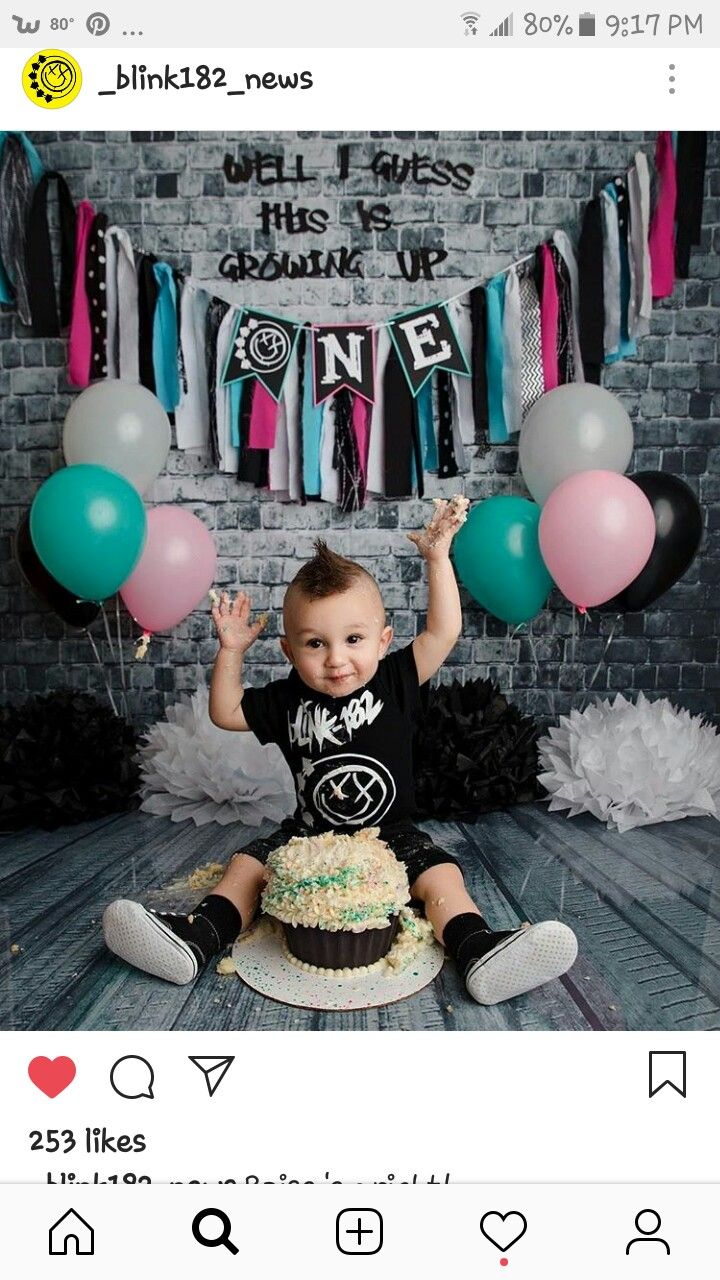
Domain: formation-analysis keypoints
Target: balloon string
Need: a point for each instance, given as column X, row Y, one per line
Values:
column 603, row 656
column 107, row 632
column 103, row 671
column 572, row 652
column 122, row 660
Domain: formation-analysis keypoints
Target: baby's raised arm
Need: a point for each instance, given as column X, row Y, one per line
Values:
column 444, row 617
column 236, row 633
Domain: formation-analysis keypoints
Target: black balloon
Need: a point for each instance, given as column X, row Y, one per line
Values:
column 678, row 532
column 76, row 613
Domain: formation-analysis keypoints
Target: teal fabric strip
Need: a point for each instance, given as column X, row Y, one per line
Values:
column 428, row 442
column 628, row 345
column 312, row 416
column 165, row 339
column 236, row 390
column 37, row 168
column 495, row 294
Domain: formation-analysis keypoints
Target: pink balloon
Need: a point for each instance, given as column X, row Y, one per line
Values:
column 597, row 530
column 175, row 570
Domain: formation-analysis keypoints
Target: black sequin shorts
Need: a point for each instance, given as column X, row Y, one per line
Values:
column 409, row 844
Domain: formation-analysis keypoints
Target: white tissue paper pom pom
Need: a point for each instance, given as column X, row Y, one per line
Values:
column 632, row 764
column 191, row 769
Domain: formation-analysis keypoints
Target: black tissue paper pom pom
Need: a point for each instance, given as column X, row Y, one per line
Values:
column 474, row 752
column 64, row 758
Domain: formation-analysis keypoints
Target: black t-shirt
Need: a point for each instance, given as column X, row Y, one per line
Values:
column 351, row 757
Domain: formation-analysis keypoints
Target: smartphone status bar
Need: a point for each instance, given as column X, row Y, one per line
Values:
column 424, row 24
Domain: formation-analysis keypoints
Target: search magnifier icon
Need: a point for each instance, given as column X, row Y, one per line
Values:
column 213, row 1241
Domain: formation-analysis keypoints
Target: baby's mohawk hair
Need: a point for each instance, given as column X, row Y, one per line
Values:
column 327, row 574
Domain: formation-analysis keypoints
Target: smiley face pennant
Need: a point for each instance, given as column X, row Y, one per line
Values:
column 262, row 346
column 343, row 356
column 425, row 340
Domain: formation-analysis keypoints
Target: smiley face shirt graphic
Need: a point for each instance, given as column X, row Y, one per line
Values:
column 351, row 757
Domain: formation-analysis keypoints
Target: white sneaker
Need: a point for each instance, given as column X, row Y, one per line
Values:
column 148, row 941
column 521, row 962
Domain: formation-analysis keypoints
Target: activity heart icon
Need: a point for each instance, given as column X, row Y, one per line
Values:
column 51, row 1075
column 503, row 1229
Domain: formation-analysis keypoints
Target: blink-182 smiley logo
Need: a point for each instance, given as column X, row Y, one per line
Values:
column 52, row 78
column 264, row 346
column 261, row 348
column 347, row 789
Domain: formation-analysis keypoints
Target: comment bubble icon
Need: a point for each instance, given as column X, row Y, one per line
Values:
column 132, row 1077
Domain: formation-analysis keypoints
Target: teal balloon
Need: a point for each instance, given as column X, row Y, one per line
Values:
column 88, row 528
column 497, row 558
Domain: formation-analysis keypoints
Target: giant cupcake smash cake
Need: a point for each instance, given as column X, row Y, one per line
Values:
column 338, row 897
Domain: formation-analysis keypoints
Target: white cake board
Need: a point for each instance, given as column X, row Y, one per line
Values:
column 262, row 964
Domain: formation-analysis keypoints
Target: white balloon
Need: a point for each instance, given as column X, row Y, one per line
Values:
column 119, row 425
column 577, row 427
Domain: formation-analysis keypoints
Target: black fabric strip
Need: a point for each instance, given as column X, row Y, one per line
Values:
column 147, row 298
column 478, row 316
column 214, row 317
column 592, row 295
column 447, row 463
column 691, row 159
column 47, row 321
column 399, row 414
column 352, row 483
column 96, row 290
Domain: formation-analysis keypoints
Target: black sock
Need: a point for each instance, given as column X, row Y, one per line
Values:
column 469, row 937
column 212, row 925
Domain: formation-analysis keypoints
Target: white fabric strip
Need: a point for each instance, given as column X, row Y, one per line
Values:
column 291, row 399
column 229, row 453
column 192, row 416
column 329, row 477
column 376, row 445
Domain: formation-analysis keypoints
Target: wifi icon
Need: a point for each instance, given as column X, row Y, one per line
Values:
column 471, row 20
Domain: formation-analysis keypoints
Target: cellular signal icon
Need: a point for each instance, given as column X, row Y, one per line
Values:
column 505, row 28
column 470, row 20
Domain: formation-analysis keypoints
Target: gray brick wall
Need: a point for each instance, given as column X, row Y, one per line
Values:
column 524, row 186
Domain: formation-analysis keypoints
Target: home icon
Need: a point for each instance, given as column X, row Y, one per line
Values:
column 71, row 1227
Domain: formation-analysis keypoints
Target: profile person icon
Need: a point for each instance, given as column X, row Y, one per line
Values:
column 647, row 1223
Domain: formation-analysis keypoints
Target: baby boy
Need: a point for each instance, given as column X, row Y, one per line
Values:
column 344, row 719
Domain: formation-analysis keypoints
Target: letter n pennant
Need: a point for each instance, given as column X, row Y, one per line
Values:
column 343, row 356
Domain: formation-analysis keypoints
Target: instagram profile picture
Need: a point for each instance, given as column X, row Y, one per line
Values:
column 52, row 78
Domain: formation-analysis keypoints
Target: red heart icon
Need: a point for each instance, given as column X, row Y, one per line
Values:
column 52, row 1075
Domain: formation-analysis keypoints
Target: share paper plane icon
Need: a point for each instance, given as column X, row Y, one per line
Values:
column 214, row 1071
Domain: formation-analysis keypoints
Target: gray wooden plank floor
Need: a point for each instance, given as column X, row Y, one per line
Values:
column 645, row 907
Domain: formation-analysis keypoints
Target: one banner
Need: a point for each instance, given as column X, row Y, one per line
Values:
column 343, row 356
column 425, row 340
column 261, row 347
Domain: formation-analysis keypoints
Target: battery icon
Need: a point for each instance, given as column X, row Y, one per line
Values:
column 586, row 25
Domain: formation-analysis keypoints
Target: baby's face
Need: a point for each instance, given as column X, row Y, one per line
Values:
column 336, row 644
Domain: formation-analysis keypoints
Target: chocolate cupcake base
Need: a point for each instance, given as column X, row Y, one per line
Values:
column 337, row 949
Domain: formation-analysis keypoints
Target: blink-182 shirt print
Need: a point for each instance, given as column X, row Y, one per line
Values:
column 351, row 757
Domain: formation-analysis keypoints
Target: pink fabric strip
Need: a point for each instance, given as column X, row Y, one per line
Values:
column 549, row 316
column 263, row 419
column 360, row 423
column 80, row 336
column 661, row 240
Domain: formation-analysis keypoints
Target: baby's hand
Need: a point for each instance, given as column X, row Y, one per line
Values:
column 232, row 622
column 434, row 542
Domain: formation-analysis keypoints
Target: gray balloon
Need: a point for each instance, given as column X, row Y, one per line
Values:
column 119, row 425
column 578, row 427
